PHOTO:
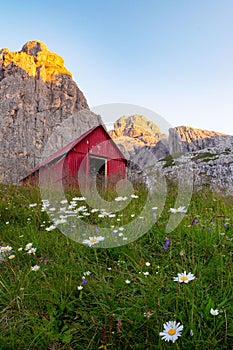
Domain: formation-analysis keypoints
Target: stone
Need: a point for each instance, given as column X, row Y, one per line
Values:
column 134, row 134
column 188, row 139
column 210, row 167
column 37, row 94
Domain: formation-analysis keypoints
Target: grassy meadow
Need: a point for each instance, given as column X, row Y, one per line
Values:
column 56, row 293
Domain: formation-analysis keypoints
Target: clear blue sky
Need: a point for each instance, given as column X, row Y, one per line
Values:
column 174, row 57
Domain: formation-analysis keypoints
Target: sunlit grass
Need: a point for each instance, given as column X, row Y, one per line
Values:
column 130, row 291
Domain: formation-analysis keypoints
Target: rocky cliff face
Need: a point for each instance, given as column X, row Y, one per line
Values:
column 188, row 155
column 137, row 127
column 210, row 167
column 37, row 94
column 134, row 134
column 188, row 139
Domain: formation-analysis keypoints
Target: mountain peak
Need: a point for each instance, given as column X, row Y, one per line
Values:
column 36, row 60
column 37, row 95
column 32, row 47
column 137, row 127
column 189, row 139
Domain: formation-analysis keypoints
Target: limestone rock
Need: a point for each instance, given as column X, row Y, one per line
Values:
column 209, row 167
column 137, row 127
column 199, row 158
column 188, row 139
column 134, row 134
column 37, row 94
column 36, row 60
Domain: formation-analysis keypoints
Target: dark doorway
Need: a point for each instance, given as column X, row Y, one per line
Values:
column 98, row 171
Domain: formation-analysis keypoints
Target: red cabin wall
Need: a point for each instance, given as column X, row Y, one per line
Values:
column 96, row 143
column 116, row 167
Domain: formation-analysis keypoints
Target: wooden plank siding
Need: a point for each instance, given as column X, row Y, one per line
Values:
column 73, row 160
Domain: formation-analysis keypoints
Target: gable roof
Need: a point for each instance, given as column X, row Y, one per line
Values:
column 66, row 149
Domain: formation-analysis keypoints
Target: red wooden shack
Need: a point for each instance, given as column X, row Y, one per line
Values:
column 93, row 155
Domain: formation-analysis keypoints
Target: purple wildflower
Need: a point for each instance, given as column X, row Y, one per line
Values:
column 84, row 281
column 167, row 242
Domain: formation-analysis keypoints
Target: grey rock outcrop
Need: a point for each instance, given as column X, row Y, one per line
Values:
column 37, row 94
column 135, row 135
column 210, row 167
column 192, row 157
column 137, row 127
column 187, row 139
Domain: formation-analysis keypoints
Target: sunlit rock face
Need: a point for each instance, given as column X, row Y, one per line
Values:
column 210, row 167
column 37, row 94
column 188, row 139
column 36, row 60
column 135, row 135
column 206, row 156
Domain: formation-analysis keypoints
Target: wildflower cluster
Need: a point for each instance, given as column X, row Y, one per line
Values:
column 67, row 213
column 173, row 329
column 84, row 281
column 122, row 283
column 6, row 252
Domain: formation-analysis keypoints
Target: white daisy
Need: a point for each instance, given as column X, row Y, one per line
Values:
column 120, row 199
column 52, row 209
column 183, row 277
column 4, row 249
column 214, row 312
column 79, row 199
column 87, row 273
column 59, row 221
column 11, row 257
column 104, row 214
column 35, row 268
column 178, row 210
column 93, row 240
column 134, row 196
column 146, row 273
column 172, row 331
column 94, row 210
column 32, row 205
column 82, row 208
column 32, row 251
column 64, row 201
column 28, row 246
column 154, row 208
column 50, row 228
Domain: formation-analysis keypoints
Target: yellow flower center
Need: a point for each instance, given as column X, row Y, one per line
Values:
column 93, row 240
column 172, row 331
column 184, row 278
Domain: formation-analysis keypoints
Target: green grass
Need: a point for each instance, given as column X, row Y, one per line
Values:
column 170, row 159
column 206, row 156
column 46, row 310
